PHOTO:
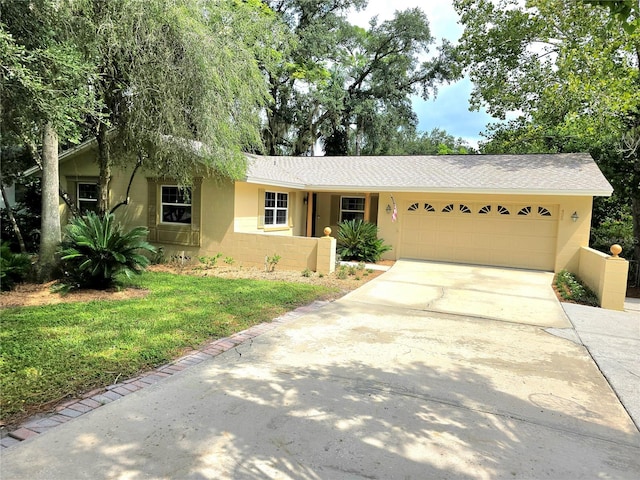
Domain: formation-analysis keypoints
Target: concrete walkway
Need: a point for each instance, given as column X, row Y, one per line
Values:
column 613, row 340
column 370, row 386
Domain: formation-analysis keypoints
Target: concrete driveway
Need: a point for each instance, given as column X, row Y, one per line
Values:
column 415, row 375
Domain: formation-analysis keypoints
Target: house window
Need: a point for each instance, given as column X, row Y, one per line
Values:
column 176, row 204
column 544, row 212
column 87, row 195
column 351, row 208
column 524, row 211
column 276, row 208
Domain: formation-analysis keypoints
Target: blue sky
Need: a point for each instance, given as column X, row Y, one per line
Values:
column 450, row 109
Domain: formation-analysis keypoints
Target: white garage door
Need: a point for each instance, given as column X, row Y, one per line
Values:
column 503, row 234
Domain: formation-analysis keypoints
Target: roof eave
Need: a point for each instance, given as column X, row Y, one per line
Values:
column 477, row 191
column 86, row 145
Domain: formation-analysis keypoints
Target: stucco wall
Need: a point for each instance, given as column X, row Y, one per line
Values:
column 247, row 210
column 605, row 275
column 570, row 235
column 228, row 209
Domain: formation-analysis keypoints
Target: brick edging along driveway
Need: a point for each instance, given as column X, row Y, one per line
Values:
column 96, row 398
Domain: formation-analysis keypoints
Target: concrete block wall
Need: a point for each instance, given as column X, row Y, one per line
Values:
column 606, row 275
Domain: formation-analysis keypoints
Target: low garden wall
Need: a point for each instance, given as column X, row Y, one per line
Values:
column 606, row 275
column 296, row 253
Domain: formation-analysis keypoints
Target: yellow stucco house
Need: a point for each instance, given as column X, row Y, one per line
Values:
column 524, row 211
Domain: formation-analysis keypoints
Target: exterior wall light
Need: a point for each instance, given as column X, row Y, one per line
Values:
column 388, row 209
column 574, row 216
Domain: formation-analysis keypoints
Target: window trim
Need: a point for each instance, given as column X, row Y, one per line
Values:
column 80, row 199
column 275, row 209
column 162, row 204
column 364, row 205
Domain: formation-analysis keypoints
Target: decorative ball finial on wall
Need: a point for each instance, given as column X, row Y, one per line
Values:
column 615, row 250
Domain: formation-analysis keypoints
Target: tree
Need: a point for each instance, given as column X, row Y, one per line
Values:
column 345, row 85
column 570, row 68
column 178, row 86
column 411, row 142
column 43, row 96
column 313, row 29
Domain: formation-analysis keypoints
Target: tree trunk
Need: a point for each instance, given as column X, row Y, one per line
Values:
column 50, row 231
column 104, row 164
column 12, row 219
column 33, row 151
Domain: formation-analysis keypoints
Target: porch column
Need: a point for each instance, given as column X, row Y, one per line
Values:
column 367, row 207
column 309, row 214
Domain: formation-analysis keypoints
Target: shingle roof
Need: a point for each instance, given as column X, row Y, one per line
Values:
column 557, row 174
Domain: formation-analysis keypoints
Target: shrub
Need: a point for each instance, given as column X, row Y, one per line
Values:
column 95, row 250
column 271, row 262
column 307, row 273
column 358, row 240
column 14, row 267
column 571, row 289
column 210, row 262
column 614, row 230
column 342, row 273
column 27, row 214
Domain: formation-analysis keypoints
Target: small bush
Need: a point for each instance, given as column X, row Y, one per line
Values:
column 271, row 262
column 572, row 289
column 307, row 273
column 358, row 240
column 14, row 267
column 342, row 273
column 210, row 262
column 95, row 250
column 229, row 260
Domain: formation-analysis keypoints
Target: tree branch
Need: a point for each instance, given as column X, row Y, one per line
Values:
column 126, row 200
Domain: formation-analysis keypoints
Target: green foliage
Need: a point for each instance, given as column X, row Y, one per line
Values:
column 358, row 240
column 408, row 141
column 26, row 211
column 112, row 340
column 342, row 272
column 573, row 290
column 614, row 230
column 95, row 250
column 307, row 273
column 14, row 267
column 229, row 260
column 271, row 262
column 571, row 69
column 335, row 75
column 210, row 262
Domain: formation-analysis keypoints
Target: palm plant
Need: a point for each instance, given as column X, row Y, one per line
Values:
column 14, row 267
column 358, row 240
column 95, row 250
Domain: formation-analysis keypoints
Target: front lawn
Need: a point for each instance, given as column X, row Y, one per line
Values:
column 48, row 353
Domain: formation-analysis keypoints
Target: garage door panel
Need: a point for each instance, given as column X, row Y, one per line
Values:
column 527, row 240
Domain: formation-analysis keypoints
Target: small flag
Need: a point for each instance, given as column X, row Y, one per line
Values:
column 394, row 215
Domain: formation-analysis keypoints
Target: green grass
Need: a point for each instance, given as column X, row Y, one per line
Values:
column 51, row 352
